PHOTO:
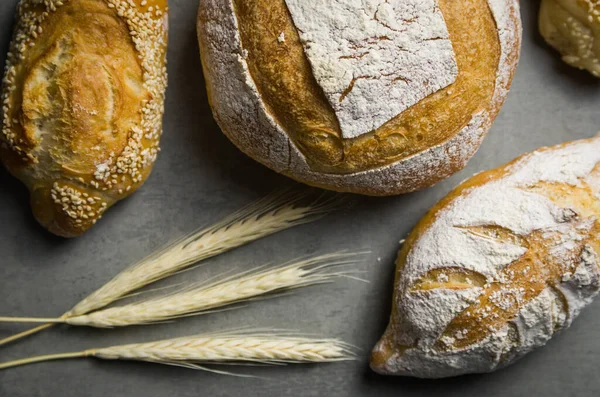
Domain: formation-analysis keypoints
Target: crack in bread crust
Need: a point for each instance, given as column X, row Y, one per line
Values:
column 521, row 282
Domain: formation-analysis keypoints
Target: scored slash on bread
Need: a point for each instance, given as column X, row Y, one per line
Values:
column 500, row 265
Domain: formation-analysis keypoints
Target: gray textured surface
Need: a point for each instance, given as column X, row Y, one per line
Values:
column 200, row 177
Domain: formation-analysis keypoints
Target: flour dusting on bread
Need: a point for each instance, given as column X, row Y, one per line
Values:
column 501, row 268
column 374, row 59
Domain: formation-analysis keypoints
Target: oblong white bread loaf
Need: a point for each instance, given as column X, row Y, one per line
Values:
column 499, row 266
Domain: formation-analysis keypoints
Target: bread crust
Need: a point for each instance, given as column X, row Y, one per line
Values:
column 83, row 99
column 495, row 269
column 241, row 112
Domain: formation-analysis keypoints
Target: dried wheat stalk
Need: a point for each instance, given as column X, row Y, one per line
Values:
column 214, row 349
column 270, row 215
column 259, row 220
column 200, row 299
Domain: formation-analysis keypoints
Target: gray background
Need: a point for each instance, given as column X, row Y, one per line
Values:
column 200, row 177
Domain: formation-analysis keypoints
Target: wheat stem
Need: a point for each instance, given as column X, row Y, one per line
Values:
column 192, row 351
column 24, row 334
column 39, row 359
column 30, row 320
column 270, row 215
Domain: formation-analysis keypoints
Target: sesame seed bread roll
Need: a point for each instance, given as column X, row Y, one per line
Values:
column 498, row 267
column 573, row 28
column 377, row 97
column 82, row 104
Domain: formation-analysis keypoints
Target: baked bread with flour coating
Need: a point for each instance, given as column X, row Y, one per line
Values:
column 573, row 28
column 500, row 265
column 83, row 95
column 376, row 97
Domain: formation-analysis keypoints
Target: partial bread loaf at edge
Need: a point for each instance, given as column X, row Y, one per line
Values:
column 500, row 265
column 83, row 99
column 273, row 79
column 573, row 28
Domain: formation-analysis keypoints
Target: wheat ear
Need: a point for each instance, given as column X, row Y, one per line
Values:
column 199, row 299
column 193, row 351
column 268, row 216
column 275, row 213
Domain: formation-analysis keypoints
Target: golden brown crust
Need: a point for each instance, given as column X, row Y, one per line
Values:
column 83, row 100
column 265, row 99
column 291, row 94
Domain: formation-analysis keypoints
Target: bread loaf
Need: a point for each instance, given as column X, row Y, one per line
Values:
column 573, row 28
column 82, row 96
column 376, row 97
column 500, row 265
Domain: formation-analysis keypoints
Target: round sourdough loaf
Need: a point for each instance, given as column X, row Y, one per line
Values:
column 498, row 267
column 376, row 97
column 573, row 28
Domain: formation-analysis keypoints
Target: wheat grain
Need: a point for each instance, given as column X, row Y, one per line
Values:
column 198, row 299
column 270, row 215
column 261, row 219
column 213, row 349
column 202, row 298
